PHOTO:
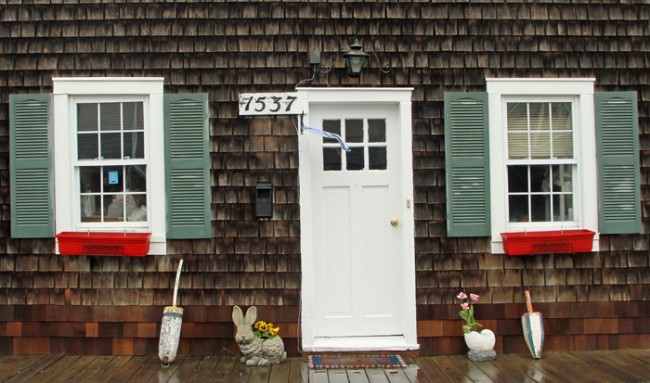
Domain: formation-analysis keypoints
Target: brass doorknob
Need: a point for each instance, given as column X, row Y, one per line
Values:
column 394, row 222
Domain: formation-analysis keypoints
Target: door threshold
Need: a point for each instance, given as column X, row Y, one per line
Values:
column 374, row 343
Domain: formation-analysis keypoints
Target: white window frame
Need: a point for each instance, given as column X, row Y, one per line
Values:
column 581, row 91
column 67, row 91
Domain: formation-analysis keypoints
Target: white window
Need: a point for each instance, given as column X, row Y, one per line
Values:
column 543, row 156
column 109, row 156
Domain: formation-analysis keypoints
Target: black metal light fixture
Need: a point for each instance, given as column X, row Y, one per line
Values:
column 355, row 58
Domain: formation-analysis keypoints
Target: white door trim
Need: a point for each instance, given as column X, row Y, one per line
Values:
column 401, row 97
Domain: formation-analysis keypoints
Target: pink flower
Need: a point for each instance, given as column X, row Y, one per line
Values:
column 461, row 295
column 474, row 297
column 465, row 306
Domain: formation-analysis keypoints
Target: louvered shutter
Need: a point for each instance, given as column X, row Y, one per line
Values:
column 187, row 166
column 467, row 165
column 619, row 203
column 32, row 203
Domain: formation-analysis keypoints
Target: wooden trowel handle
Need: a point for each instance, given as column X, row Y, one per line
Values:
column 529, row 304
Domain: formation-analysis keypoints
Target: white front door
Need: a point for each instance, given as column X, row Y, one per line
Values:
column 361, row 227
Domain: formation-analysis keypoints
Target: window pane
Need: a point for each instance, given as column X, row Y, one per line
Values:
column 114, row 209
column 561, row 115
column 377, row 158
column 111, row 145
column 376, row 130
column 539, row 116
column 563, row 207
column 540, row 145
column 91, row 208
column 540, row 206
column 355, row 159
column 90, row 179
column 517, row 145
column 110, row 116
column 136, row 178
column 562, row 179
column 87, row 147
column 136, row 209
column 112, row 179
column 540, row 179
column 517, row 116
column 332, row 126
column 518, row 208
column 331, row 158
column 134, row 145
column 517, row 179
column 133, row 112
column 353, row 130
column 86, row 117
column 562, row 145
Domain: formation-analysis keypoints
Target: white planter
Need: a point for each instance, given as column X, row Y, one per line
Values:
column 480, row 341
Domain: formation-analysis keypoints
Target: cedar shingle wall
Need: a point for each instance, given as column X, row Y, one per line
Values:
column 111, row 305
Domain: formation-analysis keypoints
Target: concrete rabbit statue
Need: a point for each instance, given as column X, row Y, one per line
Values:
column 256, row 351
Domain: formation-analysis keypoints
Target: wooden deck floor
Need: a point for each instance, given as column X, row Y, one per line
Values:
column 574, row 367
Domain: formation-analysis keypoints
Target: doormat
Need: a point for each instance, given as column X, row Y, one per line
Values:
column 356, row 361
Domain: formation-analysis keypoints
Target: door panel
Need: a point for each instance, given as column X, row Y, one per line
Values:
column 358, row 277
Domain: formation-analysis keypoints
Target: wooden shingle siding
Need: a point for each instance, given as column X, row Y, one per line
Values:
column 103, row 305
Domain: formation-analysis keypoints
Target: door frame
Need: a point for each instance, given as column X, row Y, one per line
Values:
column 400, row 97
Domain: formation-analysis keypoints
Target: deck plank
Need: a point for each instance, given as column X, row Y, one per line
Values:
column 613, row 364
column 642, row 355
column 94, row 371
column 151, row 371
column 223, row 370
column 337, row 376
column 522, row 367
column 280, row 372
column 474, row 373
column 357, row 375
column 448, row 368
column 376, row 375
column 413, row 372
column 573, row 367
column 497, row 374
column 12, row 365
column 33, row 369
column 551, row 372
column 240, row 373
column 299, row 370
column 64, row 369
column 431, row 370
column 185, row 370
column 121, row 368
column 396, row 375
column 318, row 376
column 203, row 371
column 260, row 374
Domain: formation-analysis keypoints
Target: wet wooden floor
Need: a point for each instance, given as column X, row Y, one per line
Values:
column 574, row 367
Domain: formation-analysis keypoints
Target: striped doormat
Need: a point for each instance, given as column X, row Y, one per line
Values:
column 355, row 361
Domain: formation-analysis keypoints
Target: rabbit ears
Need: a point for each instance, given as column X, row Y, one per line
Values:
column 239, row 319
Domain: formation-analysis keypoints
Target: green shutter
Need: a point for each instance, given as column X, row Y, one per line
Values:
column 619, row 203
column 187, row 164
column 32, row 203
column 467, row 165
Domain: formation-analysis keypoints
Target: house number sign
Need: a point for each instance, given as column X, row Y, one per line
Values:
column 265, row 104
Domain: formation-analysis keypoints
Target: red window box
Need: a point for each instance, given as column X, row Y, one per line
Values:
column 104, row 243
column 543, row 242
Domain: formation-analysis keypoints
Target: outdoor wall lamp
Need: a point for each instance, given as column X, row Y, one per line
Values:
column 355, row 58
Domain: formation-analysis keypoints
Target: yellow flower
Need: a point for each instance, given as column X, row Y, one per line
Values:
column 274, row 331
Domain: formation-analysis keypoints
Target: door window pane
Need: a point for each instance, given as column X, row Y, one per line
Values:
column 355, row 160
column 353, row 131
column 377, row 158
column 376, row 130
column 331, row 159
